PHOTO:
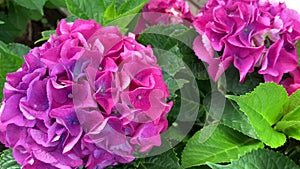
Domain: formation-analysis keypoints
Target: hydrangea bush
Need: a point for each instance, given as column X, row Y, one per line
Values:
column 216, row 90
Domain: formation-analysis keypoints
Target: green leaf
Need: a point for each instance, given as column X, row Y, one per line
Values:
column 7, row 160
column 45, row 35
column 131, row 7
column 170, row 51
column 32, row 14
column 174, row 84
column 123, row 14
column 32, row 4
column 233, row 81
column 110, row 12
column 298, row 51
column 232, row 116
column 122, row 22
column 166, row 160
column 15, row 23
column 224, row 145
column 1, row 22
column 293, row 103
column 260, row 159
column 56, row 3
column 18, row 49
column 162, row 36
column 165, row 37
column 263, row 113
column 170, row 60
column 10, row 61
column 290, row 124
column 87, row 9
column 71, row 18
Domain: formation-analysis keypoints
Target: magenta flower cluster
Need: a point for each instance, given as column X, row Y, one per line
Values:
column 89, row 96
column 250, row 34
column 292, row 83
column 163, row 12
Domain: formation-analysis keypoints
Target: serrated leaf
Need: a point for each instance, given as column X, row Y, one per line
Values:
column 290, row 124
column 263, row 108
column 32, row 4
column 87, row 9
column 224, row 145
column 260, row 159
column 166, row 160
column 7, row 161
column 232, row 116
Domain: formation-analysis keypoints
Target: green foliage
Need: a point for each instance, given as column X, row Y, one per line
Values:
column 55, row 3
column 293, row 103
column 263, row 113
column 10, row 59
column 167, row 160
column 234, row 86
column 298, row 51
column 107, row 12
column 7, row 160
column 224, row 145
column 290, row 123
column 260, row 159
column 232, row 117
column 19, row 13
column 32, row 4
column 167, row 49
column 88, row 9
column 167, row 36
column 45, row 36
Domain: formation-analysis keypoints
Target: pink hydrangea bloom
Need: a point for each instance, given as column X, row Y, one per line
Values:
column 250, row 34
column 157, row 12
column 292, row 83
column 89, row 96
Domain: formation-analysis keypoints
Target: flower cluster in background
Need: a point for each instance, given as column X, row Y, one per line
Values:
column 157, row 12
column 89, row 96
column 250, row 34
